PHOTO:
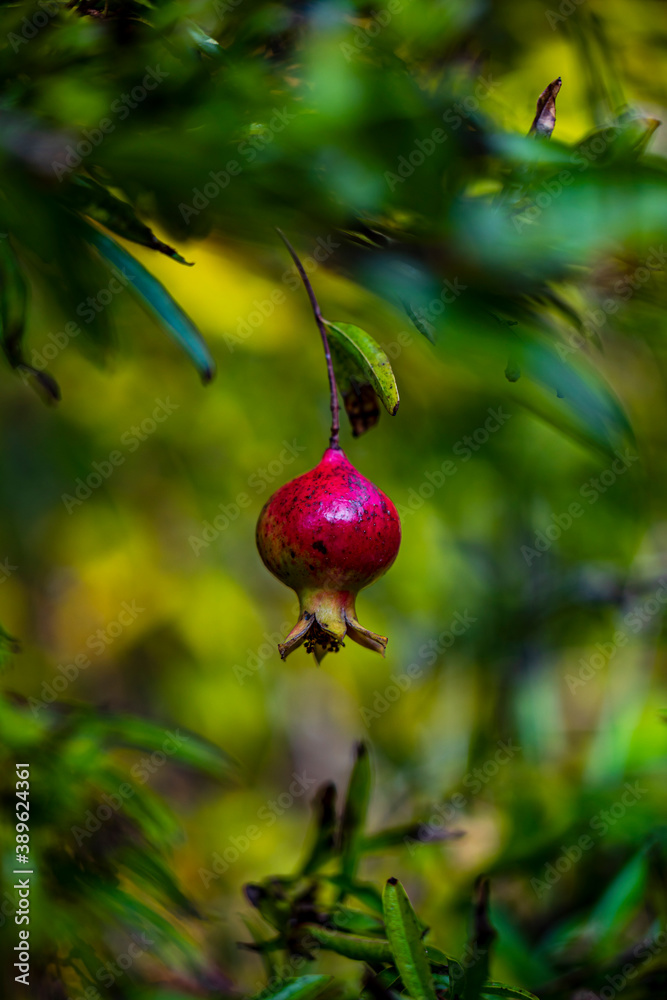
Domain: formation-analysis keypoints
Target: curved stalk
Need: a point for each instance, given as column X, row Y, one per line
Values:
column 319, row 319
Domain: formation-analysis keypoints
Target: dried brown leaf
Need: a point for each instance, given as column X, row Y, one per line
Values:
column 362, row 407
column 545, row 118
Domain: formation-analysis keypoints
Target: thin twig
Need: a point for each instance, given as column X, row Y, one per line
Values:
column 319, row 319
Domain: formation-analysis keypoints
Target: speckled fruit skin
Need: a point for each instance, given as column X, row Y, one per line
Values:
column 327, row 534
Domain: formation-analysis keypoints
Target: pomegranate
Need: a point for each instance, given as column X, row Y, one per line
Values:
column 327, row 534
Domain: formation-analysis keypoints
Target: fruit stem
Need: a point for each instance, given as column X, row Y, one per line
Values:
column 319, row 319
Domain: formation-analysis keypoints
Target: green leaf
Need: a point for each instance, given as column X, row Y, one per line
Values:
column 13, row 306
column 95, row 201
column 512, row 992
column 383, row 981
column 438, row 959
column 404, row 934
column 397, row 836
column 324, row 847
column 361, row 949
column 19, row 728
column 364, row 375
column 150, row 870
column 354, row 814
column 178, row 745
column 157, row 300
column 595, row 414
column 483, row 935
column 365, row 892
column 110, row 901
column 425, row 328
column 270, row 902
column 356, row 921
column 620, row 900
column 209, row 46
column 263, row 945
column 303, row 988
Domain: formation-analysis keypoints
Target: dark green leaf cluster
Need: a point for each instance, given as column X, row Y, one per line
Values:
column 310, row 913
column 100, row 840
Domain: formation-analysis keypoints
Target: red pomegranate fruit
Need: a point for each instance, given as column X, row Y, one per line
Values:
column 327, row 534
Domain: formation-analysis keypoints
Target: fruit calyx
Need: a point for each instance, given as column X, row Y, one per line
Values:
column 325, row 619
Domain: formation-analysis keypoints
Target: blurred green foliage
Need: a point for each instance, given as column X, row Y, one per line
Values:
column 517, row 286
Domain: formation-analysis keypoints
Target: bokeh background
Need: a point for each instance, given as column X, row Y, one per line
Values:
column 537, row 663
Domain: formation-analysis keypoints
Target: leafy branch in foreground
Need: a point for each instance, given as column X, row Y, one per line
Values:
column 310, row 913
column 100, row 842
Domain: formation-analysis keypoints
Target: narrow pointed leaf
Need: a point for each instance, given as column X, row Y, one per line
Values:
column 377, row 987
column 620, row 899
column 439, row 960
column 263, row 945
column 356, row 921
column 178, row 745
column 354, row 813
column 324, row 847
column 110, row 901
column 209, row 46
column 157, row 300
column 303, row 988
column 150, row 870
column 13, row 307
column 276, row 911
column 93, row 200
column 361, row 949
column 511, row 992
column 481, row 939
column 425, row 328
column 395, row 836
column 404, row 934
column 365, row 892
